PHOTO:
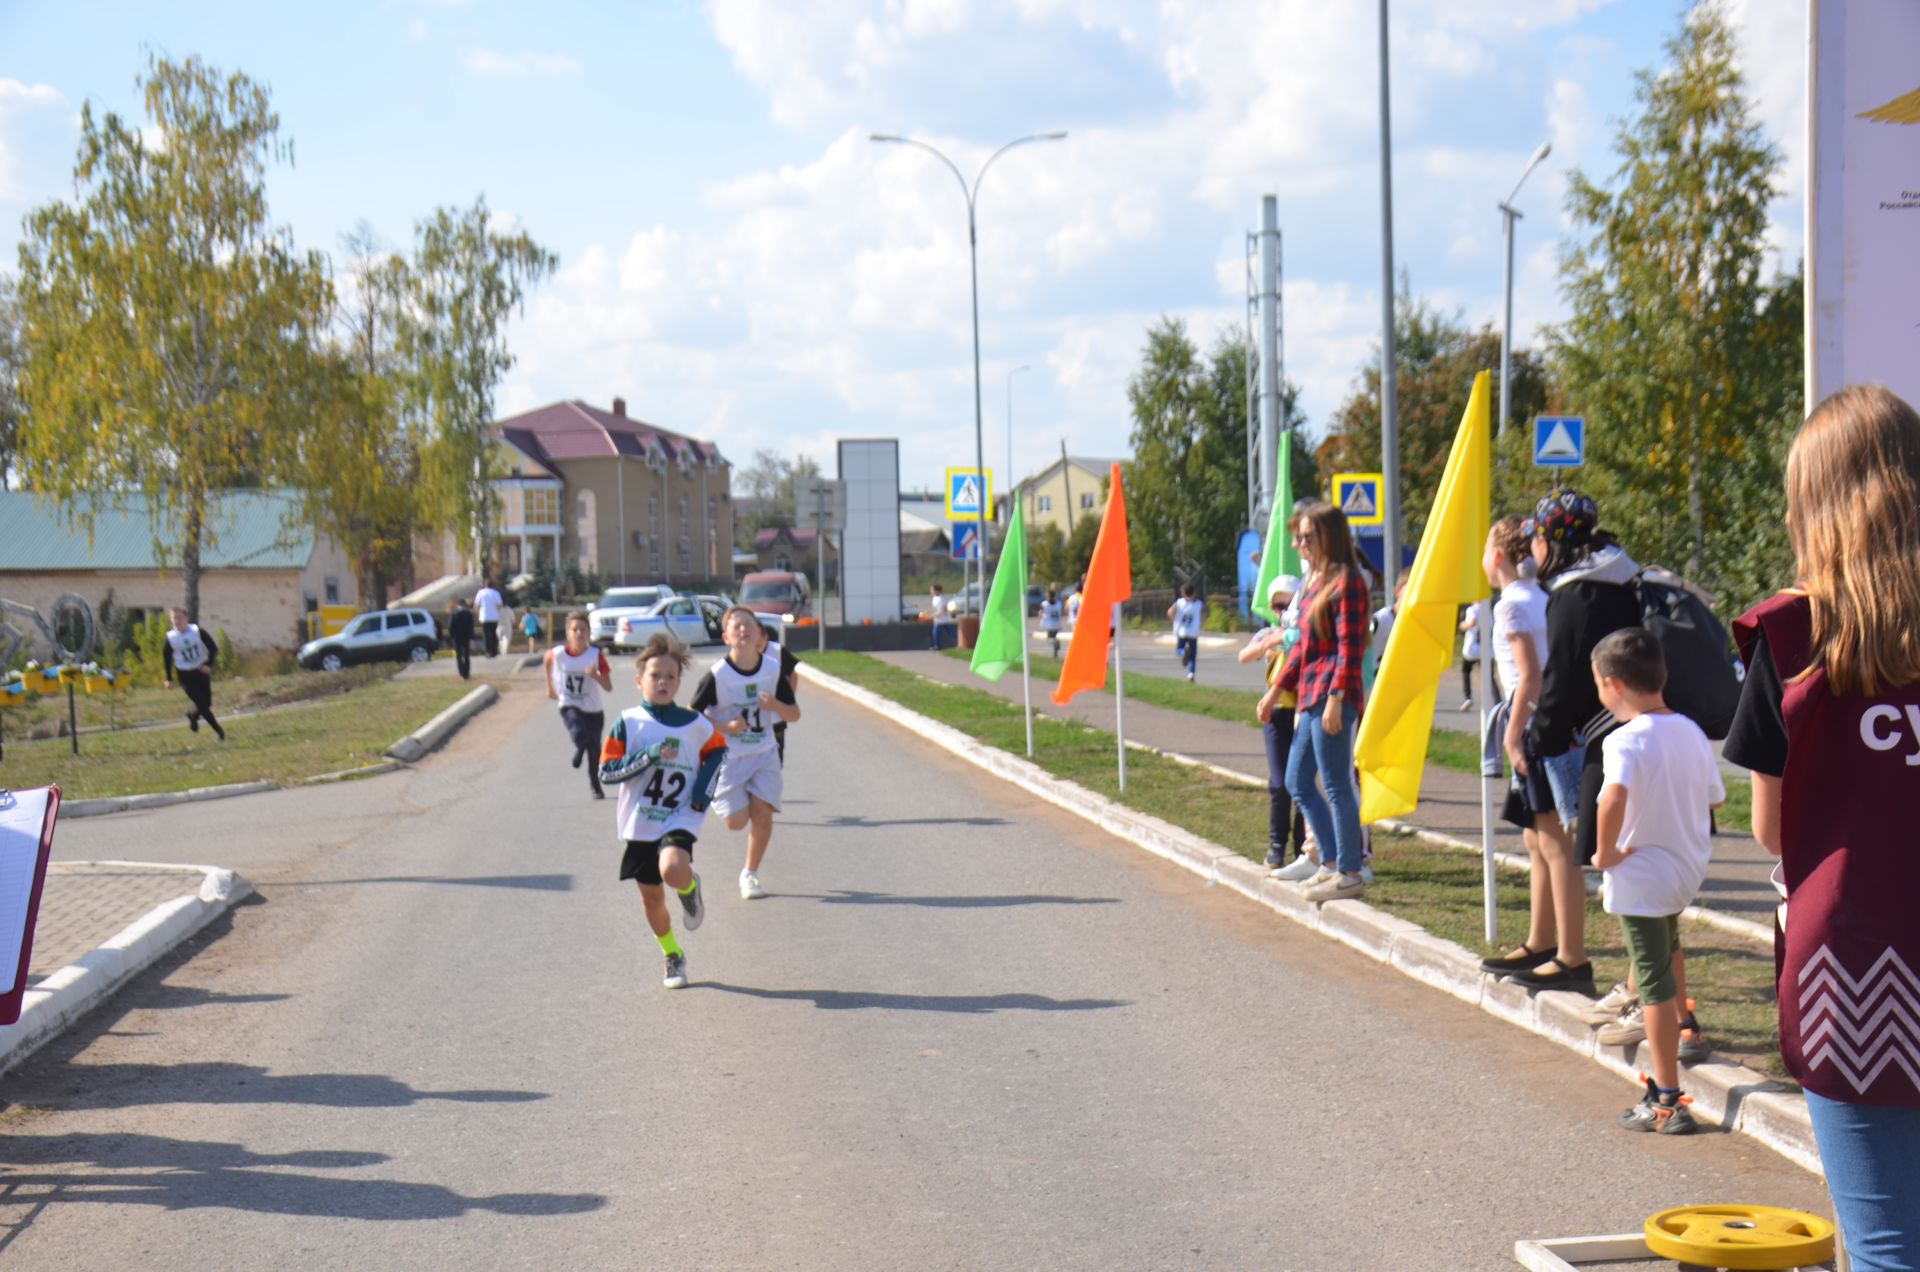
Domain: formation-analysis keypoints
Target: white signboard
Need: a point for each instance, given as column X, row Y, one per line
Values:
column 1863, row 202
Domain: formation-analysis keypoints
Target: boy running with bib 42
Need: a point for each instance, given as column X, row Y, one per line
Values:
column 744, row 694
column 576, row 673
column 665, row 759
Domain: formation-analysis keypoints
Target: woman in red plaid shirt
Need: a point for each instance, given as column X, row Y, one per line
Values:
column 1324, row 670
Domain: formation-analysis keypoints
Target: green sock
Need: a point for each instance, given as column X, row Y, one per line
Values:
column 688, row 890
column 670, row 943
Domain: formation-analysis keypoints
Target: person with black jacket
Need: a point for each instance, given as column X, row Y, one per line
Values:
column 460, row 636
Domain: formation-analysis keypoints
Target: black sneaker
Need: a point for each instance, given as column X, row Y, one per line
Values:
column 676, row 977
column 1694, row 1046
column 578, row 755
column 1578, row 978
column 1655, row 1115
column 193, row 721
column 693, row 905
column 1276, row 856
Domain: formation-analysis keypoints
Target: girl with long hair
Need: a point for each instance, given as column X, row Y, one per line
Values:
column 1324, row 672
column 1829, row 725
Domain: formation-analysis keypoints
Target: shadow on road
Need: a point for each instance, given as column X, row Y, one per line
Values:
column 186, row 1174
column 964, row 1004
column 173, row 997
column 841, row 897
column 533, row 883
column 119, row 1086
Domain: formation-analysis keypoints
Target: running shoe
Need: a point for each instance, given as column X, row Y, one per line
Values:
column 676, row 977
column 578, row 756
column 1607, row 1008
column 219, row 732
column 1628, row 1029
column 1302, row 869
column 193, row 721
column 1366, row 873
column 1339, row 888
column 1651, row 1114
column 750, row 889
column 693, row 905
column 1276, row 857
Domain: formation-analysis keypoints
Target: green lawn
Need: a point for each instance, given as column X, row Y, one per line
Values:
column 38, row 717
column 344, row 731
column 1438, row 888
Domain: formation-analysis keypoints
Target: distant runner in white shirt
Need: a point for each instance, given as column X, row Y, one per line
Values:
column 576, row 673
column 1186, row 613
column 487, row 603
column 189, row 653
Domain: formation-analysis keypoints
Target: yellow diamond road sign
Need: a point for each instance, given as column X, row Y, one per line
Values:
column 1361, row 497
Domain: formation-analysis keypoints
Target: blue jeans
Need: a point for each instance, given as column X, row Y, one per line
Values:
column 1188, row 647
column 1871, row 1153
column 1335, row 816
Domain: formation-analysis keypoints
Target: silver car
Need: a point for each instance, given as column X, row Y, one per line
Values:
column 690, row 620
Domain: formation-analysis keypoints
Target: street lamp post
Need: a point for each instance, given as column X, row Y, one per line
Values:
column 1508, row 215
column 972, row 195
column 1012, row 490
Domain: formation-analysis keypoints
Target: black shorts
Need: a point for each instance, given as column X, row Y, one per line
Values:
column 642, row 858
column 1531, row 796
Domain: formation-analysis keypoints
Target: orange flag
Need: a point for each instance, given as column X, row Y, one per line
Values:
column 1109, row 581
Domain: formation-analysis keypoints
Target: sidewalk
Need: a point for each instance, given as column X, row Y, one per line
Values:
column 102, row 923
column 1449, row 801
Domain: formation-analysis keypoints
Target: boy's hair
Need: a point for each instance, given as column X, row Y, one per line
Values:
column 936, row 587
column 1186, row 590
column 576, row 616
column 738, row 609
column 661, row 645
column 1510, row 539
column 1632, row 656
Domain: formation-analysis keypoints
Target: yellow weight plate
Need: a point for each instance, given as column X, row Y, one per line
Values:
column 1742, row 1238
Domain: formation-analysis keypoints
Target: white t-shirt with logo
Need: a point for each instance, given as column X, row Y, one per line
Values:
column 1671, row 777
column 1520, row 611
column 1186, row 616
column 487, row 603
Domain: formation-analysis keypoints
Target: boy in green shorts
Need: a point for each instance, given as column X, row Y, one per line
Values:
column 665, row 759
column 1655, row 838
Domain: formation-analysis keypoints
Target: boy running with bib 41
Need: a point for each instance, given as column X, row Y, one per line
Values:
column 665, row 759
column 744, row 694
column 576, row 673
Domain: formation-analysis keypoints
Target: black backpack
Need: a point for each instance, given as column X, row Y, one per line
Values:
column 1701, row 683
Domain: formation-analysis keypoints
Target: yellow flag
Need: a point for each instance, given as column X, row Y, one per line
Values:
column 1391, row 750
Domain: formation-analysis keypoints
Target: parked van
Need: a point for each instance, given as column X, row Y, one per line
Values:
column 777, row 592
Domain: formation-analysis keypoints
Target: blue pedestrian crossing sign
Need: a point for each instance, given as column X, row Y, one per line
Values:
column 1361, row 497
column 1559, row 441
column 968, row 492
column 965, row 538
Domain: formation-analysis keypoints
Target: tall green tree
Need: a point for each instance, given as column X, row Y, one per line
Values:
column 13, row 355
column 769, row 481
column 466, row 278
column 166, row 320
column 359, row 464
column 1187, row 482
column 1684, row 360
column 1436, row 356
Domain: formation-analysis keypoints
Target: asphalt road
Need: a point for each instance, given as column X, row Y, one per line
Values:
column 966, row 1030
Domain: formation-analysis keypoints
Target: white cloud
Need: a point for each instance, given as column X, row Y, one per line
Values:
column 20, row 101
column 417, row 29
column 488, row 62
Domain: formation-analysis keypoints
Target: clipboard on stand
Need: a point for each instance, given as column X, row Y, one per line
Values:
column 26, row 842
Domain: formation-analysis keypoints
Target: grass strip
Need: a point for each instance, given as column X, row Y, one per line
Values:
column 46, row 717
column 276, row 746
column 1437, row 888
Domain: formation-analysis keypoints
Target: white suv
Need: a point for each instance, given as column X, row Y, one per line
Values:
column 603, row 621
column 401, row 635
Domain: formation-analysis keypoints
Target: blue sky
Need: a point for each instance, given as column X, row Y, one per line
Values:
column 740, row 263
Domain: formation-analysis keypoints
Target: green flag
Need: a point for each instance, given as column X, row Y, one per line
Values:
column 1002, row 625
column 1279, row 556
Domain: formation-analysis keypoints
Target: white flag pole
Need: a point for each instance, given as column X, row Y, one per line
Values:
column 1483, row 618
column 1026, row 675
column 1119, row 698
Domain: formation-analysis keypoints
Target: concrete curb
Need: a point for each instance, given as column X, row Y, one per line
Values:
column 135, row 803
column 71, row 992
column 1737, row 1098
column 430, row 735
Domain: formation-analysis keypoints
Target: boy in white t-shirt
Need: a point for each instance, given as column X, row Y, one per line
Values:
column 1186, row 612
column 1655, row 838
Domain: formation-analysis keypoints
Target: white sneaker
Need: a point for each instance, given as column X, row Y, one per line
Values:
column 750, row 889
column 1320, row 877
column 1608, row 1007
column 1302, row 869
column 1366, row 874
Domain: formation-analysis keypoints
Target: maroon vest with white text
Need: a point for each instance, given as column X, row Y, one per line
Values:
column 1848, row 963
